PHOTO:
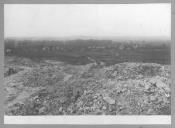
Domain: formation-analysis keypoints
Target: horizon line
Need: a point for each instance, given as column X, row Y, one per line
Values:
column 93, row 37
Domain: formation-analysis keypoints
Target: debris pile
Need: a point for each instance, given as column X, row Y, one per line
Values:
column 92, row 89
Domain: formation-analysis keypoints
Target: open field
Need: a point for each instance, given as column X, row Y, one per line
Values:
column 79, row 52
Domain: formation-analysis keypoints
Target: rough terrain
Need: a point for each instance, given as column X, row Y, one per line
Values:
column 55, row 88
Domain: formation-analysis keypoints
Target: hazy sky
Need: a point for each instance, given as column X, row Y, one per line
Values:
column 99, row 20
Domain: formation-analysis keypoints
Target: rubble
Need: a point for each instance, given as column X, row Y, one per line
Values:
column 92, row 89
column 109, row 100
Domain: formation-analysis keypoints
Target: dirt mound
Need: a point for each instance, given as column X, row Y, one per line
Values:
column 136, row 70
column 93, row 89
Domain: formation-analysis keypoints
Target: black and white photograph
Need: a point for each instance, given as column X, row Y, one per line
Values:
column 87, row 59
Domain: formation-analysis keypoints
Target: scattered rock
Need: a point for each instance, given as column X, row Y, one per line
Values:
column 63, row 99
column 124, row 88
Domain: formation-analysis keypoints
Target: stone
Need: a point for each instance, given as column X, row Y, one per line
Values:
column 150, row 111
column 63, row 99
column 104, row 107
column 147, row 86
column 109, row 100
column 167, row 95
column 60, row 109
column 152, row 98
column 95, row 97
column 42, row 110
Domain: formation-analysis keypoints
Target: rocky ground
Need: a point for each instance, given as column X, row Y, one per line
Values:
column 55, row 88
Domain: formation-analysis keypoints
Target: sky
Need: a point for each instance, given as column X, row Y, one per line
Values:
column 90, row 20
